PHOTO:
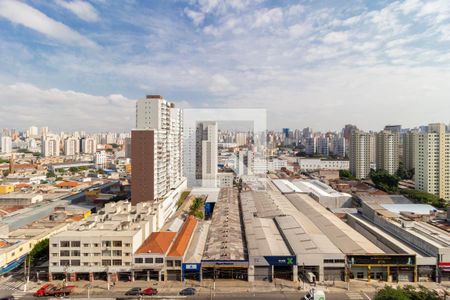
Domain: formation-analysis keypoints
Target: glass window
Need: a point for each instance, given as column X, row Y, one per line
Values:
column 75, row 244
column 64, row 244
column 178, row 263
column 106, row 243
column 169, row 263
column 106, row 262
column 138, row 260
column 149, row 260
column 117, row 252
column 159, row 260
column 64, row 262
column 75, row 262
column 64, row 253
column 117, row 243
column 117, row 262
column 76, row 253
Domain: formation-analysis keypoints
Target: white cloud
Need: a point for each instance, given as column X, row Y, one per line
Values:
column 23, row 14
column 65, row 110
column 196, row 17
column 335, row 37
column 266, row 17
column 81, row 8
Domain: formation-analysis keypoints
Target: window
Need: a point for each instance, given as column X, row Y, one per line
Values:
column 138, row 260
column 127, row 245
column 55, row 264
column 169, row 263
column 127, row 264
column 75, row 244
column 106, row 262
column 117, row 252
column 75, row 262
column 96, row 264
column 117, row 243
column 159, row 260
column 64, row 253
column 106, row 253
column 85, row 245
column 149, row 260
column 54, row 245
column 76, row 253
column 85, row 254
column 117, row 262
column 127, row 253
column 64, row 262
column 106, row 243
column 96, row 244
column 86, row 264
column 178, row 263
column 54, row 254
column 64, row 244
column 97, row 254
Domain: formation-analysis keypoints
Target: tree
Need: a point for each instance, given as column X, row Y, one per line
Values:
column 384, row 181
column 405, row 293
column 39, row 250
column 73, row 169
column 424, row 197
column 346, row 174
column 402, row 172
column 51, row 175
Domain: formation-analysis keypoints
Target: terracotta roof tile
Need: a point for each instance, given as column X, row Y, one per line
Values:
column 184, row 236
column 157, row 242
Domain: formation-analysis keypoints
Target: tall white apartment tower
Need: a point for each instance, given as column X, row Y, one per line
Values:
column 88, row 145
column 71, row 146
column 388, row 151
column 206, row 153
column 6, row 144
column 432, row 171
column 160, row 116
column 360, row 153
column 50, row 145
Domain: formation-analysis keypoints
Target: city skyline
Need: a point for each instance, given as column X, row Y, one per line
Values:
column 82, row 65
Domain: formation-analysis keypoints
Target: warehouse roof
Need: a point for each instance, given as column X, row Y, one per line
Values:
column 342, row 235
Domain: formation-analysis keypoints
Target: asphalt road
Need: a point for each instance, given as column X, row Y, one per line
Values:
column 234, row 296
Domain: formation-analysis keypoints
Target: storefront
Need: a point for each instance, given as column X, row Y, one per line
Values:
column 382, row 267
column 225, row 269
column 191, row 271
column 443, row 271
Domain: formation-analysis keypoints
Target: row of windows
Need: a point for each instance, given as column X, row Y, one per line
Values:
column 66, row 244
column 334, row 261
column 77, row 263
column 148, row 260
column 103, row 253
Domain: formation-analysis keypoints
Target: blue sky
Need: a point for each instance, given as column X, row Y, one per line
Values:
column 74, row 64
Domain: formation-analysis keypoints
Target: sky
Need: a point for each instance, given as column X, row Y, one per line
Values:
column 80, row 65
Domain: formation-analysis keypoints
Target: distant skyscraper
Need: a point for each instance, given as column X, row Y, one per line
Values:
column 360, row 154
column 6, row 144
column 387, row 149
column 50, row 145
column 432, row 171
column 33, row 131
column 311, row 145
column 156, row 149
column 206, row 153
column 323, row 146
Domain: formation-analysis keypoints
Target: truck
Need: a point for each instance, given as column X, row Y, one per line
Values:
column 314, row 294
column 50, row 290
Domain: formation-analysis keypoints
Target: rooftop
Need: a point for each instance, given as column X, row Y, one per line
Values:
column 157, row 242
column 184, row 236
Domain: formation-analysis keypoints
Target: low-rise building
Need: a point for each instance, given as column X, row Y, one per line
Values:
column 316, row 164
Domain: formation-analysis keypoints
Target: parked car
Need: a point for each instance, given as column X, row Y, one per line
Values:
column 188, row 292
column 149, row 292
column 133, row 291
column 50, row 290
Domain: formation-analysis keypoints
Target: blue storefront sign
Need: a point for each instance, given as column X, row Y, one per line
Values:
column 189, row 267
column 281, row 261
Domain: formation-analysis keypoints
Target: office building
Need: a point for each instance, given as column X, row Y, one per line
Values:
column 432, row 171
column 387, row 150
column 360, row 153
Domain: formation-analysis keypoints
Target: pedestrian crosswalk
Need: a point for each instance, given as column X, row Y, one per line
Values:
column 354, row 296
column 14, row 288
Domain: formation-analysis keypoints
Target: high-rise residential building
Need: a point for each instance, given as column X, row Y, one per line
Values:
column 241, row 138
column 71, row 146
column 43, row 131
column 338, row 146
column 156, row 150
column 88, row 145
column 206, row 153
column 33, row 131
column 387, row 151
column 432, row 171
column 50, row 145
column 323, row 147
column 360, row 154
column 409, row 149
column 6, row 144
column 310, row 145
column 373, row 150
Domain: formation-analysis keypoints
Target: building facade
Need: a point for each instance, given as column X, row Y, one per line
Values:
column 433, row 161
column 387, row 149
column 360, row 153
